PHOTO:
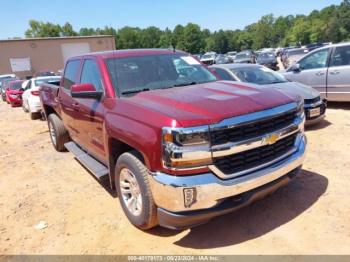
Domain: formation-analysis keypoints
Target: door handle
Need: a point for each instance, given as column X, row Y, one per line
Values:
column 319, row 73
column 336, row 72
column 75, row 106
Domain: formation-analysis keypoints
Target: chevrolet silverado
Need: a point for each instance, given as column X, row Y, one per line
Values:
column 179, row 146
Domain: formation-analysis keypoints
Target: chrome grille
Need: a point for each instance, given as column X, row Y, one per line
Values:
column 253, row 158
column 253, row 129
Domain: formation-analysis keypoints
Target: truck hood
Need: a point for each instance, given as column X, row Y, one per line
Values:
column 208, row 103
column 306, row 92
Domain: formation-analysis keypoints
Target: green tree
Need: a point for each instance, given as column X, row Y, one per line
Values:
column 192, row 38
column 84, row 31
column 165, row 40
column 67, row 30
column 128, row 37
column 150, row 37
column 41, row 29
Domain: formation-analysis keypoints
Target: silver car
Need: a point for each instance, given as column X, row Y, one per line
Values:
column 327, row 69
column 315, row 107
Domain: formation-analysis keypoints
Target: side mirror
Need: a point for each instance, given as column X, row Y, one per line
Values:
column 295, row 67
column 85, row 91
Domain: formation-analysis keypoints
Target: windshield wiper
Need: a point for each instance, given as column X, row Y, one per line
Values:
column 276, row 82
column 135, row 91
column 185, row 84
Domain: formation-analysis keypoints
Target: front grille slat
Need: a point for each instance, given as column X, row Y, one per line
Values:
column 251, row 130
column 312, row 101
column 255, row 157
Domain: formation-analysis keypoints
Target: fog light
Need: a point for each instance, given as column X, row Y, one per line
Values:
column 190, row 195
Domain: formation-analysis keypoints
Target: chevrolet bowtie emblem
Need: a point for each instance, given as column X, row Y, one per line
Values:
column 270, row 139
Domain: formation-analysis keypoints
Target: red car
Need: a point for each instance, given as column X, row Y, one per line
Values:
column 14, row 93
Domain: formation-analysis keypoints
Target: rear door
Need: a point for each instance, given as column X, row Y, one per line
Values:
column 313, row 70
column 26, row 93
column 69, row 111
column 338, row 84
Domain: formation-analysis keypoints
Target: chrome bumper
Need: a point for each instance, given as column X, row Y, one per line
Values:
column 209, row 190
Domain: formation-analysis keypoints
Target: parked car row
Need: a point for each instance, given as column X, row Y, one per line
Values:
column 264, row 57
column 25, row 93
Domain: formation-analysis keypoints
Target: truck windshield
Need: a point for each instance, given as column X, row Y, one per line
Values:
column 135, row 74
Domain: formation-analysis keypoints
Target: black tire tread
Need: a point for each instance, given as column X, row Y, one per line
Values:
column 34, row 116
column 152, row 220
column 62, row 135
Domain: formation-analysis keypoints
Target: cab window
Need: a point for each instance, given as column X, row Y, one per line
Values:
column 71, row 74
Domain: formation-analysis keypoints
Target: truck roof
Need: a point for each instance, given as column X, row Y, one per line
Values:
column 130, row 52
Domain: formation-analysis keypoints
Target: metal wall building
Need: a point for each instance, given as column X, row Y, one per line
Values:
column 25, row 57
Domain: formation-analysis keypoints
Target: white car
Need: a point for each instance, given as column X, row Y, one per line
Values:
column 31, row 100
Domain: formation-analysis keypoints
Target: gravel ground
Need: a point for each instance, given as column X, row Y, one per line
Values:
column 78, row 215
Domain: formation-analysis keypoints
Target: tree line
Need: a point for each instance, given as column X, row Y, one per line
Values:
column 331, row 24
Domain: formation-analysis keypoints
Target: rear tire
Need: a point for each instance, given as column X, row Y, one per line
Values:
column 34, row 116
column 58, row 133
column 24, row 108
column 131, row 179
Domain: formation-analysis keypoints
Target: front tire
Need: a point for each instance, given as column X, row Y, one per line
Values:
column 134, row 193
column 58, row 133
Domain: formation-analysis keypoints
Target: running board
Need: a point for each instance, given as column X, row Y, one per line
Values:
column 95, row 167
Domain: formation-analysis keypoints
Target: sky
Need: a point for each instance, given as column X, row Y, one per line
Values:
column 211, row 14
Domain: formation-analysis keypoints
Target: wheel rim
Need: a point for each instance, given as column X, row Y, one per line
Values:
column 130, row 191
column 52, row 133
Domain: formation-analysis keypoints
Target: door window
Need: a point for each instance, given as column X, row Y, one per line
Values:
column 315, row 60
column 71, row 74
column 91, row 74
column 223, row 74
column 341, row 56
column 29, row 85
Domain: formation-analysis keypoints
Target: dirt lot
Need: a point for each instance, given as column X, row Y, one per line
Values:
column 309, row 216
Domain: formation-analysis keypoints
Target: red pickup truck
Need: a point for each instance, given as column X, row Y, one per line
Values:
column 178, row 146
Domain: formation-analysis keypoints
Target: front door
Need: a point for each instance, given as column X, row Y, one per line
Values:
column 313, row 70
column 91, row 112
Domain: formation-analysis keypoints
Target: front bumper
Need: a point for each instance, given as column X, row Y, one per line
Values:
column 211, row 192
column 34, row 104
column 184, row 220
column 322, row 105
column 15, row 101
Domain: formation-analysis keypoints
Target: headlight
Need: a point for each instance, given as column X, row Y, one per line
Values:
column 300, row 107
column 186, row 147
